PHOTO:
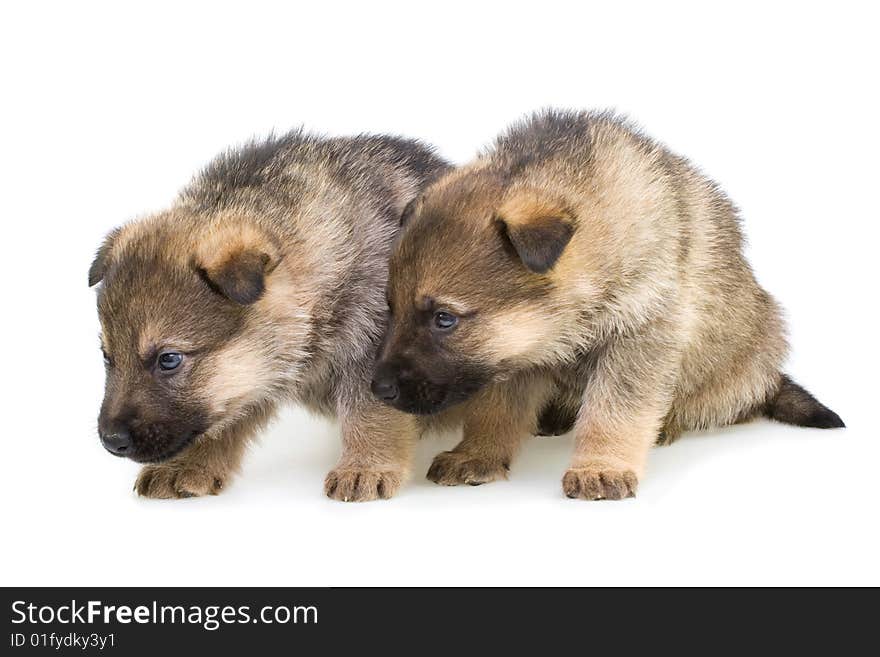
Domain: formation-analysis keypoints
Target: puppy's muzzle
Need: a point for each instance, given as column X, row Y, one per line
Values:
column 408, row 390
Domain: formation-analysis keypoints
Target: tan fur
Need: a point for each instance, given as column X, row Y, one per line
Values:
column 268, row 275
column 603, row 279
column 206, row 467
column 377, row 451
column 527, row 206
column 517, row 333
column 226, row 236
column 496, row 422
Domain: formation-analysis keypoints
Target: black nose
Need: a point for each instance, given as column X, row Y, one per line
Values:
column 118, row 442
column 385, row 388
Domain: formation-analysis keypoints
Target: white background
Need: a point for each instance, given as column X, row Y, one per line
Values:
column 108, row 110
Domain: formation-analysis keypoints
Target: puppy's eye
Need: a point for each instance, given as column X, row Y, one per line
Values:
column 107, row 361
column 169, row 360
column 444, row 320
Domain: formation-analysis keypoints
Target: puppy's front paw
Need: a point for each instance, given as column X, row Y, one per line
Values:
column 357, row 485
column 599, row 484
column 454, row 468
column 172, row 482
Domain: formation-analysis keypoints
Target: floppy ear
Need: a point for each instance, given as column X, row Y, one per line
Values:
column 235, row 262
column 409, row 210
column 537, row 229
column 102, row 258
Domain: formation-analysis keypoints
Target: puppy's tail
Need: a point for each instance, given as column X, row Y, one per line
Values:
column 793, row 405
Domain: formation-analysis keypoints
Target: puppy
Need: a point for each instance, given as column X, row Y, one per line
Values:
column 578, row 274
column 263, row 283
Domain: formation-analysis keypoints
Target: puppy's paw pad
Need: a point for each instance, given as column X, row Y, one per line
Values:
column 165, row 483
column 454, row 468
column 599, row 484
column 355, row 485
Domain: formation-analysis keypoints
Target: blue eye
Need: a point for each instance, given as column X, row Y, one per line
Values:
column 444, row 320
column 169, row 360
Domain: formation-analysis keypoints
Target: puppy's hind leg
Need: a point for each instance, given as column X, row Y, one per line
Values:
column 669, row 433
column 555, row 419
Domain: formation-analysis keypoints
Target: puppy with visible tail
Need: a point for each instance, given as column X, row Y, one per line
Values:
column 793, row 405
column 789, row 404
column 578, row 275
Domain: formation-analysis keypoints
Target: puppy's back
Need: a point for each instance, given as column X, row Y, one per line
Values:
column 663, row 238
column 380, row 168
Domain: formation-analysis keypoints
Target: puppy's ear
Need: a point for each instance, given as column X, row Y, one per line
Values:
column 102, row 258
column 409, row 210
column 235, row 262
column 537, row 229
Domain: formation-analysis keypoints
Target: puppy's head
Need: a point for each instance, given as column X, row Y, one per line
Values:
column 471, row 291
column 185, row 330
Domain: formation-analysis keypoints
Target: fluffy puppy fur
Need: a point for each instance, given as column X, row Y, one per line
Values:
column 263, row 283
column 578, row 274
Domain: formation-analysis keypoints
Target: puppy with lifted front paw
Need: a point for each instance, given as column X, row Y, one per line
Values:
column 263, row 283
column 579, row 275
